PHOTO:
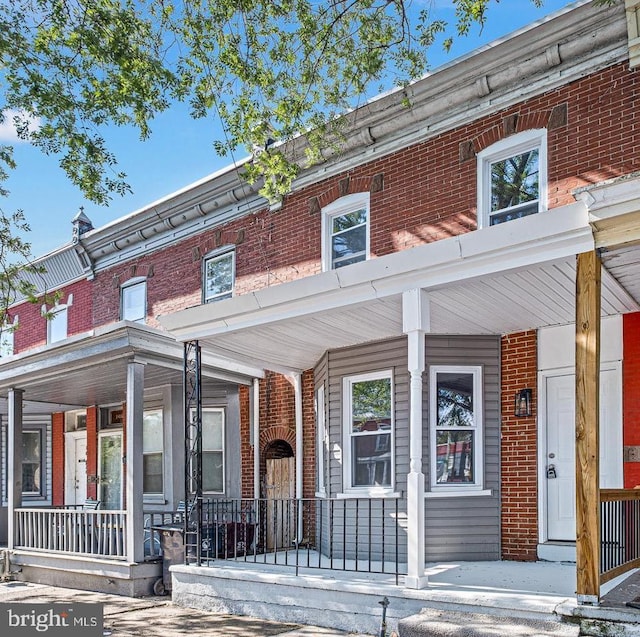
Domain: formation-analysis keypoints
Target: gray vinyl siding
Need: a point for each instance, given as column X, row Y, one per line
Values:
column 383, row 524
column 467, row 528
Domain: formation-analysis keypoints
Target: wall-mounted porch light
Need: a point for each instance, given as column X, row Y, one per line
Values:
column 522, row 405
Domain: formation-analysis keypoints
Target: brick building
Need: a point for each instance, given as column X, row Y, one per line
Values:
column 401, row 329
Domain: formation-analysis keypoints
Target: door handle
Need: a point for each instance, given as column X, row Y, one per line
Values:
column 551, row 471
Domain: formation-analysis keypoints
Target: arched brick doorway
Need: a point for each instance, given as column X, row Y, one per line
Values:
column 280, row 489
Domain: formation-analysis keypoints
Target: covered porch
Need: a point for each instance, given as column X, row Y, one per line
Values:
column 569, row 266
column 87, row 515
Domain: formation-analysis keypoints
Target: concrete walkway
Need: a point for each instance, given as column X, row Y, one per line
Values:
column 157, row 616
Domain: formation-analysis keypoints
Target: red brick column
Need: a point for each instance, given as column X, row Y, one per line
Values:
column 57, row 459
column 92, row 451
column 519, row 449
column 631, row 394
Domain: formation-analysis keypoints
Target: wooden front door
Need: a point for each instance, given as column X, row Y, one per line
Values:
column 281, row 505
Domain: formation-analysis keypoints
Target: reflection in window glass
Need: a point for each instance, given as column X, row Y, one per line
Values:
column 134, row 302
column 31, row 462
column 371, row 429
column 219, row 277
column 348, row 238
column 57, row 325
column 515, row 187
column 152, row 451
column 213, row 450
column 455, row 427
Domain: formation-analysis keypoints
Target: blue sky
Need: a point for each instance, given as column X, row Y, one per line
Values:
column 180, row 150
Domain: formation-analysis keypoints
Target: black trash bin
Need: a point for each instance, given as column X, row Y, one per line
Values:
column 172, row 546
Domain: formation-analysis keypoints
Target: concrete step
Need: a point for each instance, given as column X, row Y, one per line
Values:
column 431, row 622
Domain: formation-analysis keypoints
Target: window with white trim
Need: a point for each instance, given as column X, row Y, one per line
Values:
column 512, row 178
column 6, row 339
column 152, row 452
column 213, row 450
column 218, row 275
column 456, row 427
column 345, row 231
column 32, row 462
column 321, row 441
column 368, row 431
column 133, row 300
column 57, row 324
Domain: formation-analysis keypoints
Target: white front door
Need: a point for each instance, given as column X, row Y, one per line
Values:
column 559, row 464
column 75, row 491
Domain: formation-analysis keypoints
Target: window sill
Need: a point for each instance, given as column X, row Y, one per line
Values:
column 456, row 493
column 368, row 493
column 321, row 494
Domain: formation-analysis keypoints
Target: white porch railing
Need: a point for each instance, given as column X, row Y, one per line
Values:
column 97, row 533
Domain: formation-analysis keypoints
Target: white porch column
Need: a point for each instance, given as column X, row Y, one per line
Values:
column 415, row 320
column 14, row 464
column 256, row 438
column 134, row 466
column 297, row 389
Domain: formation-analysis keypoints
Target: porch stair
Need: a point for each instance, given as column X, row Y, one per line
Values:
column 434, row 622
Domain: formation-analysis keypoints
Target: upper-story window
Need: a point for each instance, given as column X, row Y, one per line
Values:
column 133, row 300
column 345, row 233
column 512, row 178
column 218, row 275
column 57, row 322
column 6, row 339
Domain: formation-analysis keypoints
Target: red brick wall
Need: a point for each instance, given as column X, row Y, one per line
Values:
column 92, row 451
column 519, row 449
column 32, row 331
column 631, row 393
column 57, row 459
column 428, row 194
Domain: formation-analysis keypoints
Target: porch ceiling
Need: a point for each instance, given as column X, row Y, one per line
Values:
column 91, row 369
column 521, row 299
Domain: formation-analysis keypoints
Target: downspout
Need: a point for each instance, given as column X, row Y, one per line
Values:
column 256, row 438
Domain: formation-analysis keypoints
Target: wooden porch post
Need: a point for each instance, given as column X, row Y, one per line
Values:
column 588, row 283
column 14, row 461
column 415, row 319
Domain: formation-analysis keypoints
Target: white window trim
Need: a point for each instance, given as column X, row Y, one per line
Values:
column 341, row 206
column 463, row 489
column 512, row 145
column 347, row 488
column 223, row 449
column 129, row 284
column 59, row 309
column 212, row 256
column 148, row 496
column 322, row 441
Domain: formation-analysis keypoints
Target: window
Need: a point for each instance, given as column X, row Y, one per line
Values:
column 322, row 440
column 32, row 462
column 368, row 425
column 456, row 431
column 57, row 324
column 6, row 340
column 133, row 301
column 345, row 231
column 218, row 276
column 213, row 450
column 152, row 448
column 512, row 178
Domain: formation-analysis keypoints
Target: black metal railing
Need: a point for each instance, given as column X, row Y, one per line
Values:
column 347, row 534
column 619, row 532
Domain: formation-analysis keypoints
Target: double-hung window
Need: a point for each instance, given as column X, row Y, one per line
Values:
column 368, row 432
column 218, row 275
column 32, row 461
column 6, row 340
column 456, row 428
column 133, row 300
column 152, row 452
column 345, row 233
column 57, row 324
column 512, row 178
column 213, row 450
